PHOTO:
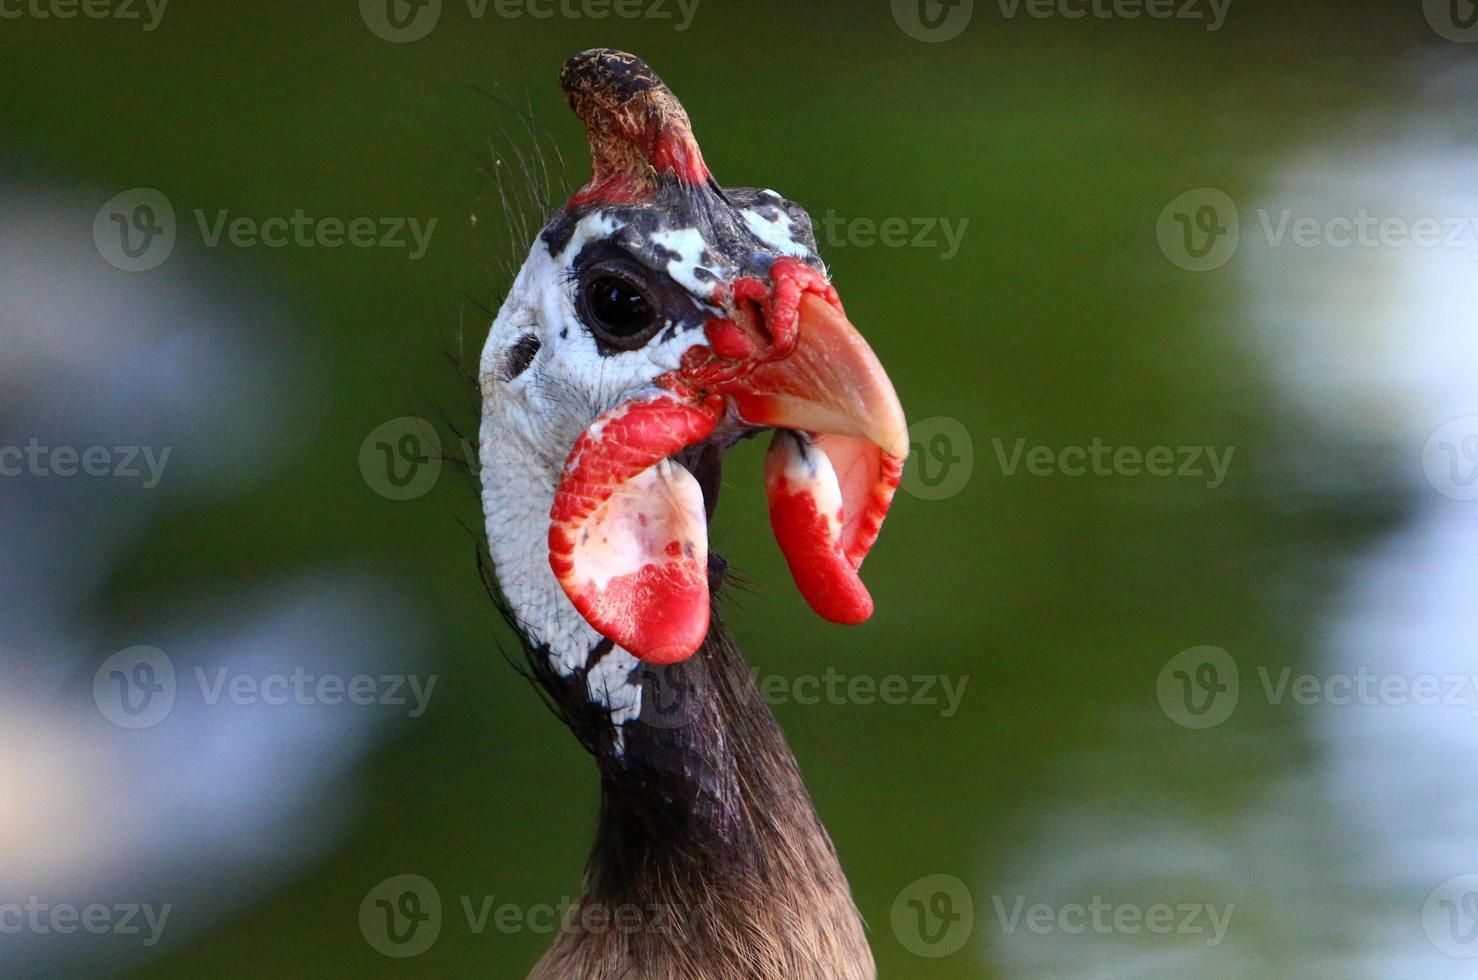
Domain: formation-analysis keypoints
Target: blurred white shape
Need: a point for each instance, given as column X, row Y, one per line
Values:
column 181, row 355
column 226, row 797
column 1332, row 866
column 1382, row 344
column 225, row 788
column 1127, row 828
column 180, row 359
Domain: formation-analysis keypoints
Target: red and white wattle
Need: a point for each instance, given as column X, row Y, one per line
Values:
column 826, row 523
column 628, row 537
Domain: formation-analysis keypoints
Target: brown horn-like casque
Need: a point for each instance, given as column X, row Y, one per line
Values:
column 639, row 132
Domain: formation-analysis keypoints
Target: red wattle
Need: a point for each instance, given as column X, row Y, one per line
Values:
column 806, row 517
column 659, row 613
column 627, row 534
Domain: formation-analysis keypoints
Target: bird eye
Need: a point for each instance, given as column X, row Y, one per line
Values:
column 617, row 309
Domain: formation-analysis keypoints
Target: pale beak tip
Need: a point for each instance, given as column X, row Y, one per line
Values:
column 895, row 443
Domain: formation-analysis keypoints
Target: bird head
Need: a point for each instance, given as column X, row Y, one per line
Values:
column 657, row 320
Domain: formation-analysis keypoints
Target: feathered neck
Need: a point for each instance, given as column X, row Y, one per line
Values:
column 709, row 846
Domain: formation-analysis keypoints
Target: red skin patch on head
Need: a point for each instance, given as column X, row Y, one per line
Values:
column 677, row 153
column 760, row 327
column 728, row 340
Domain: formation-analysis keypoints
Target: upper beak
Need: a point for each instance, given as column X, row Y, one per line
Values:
column 831, row 382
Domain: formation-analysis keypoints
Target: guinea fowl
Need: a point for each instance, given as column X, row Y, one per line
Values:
column 657, row 320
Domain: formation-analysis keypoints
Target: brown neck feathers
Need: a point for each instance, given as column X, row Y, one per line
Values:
column 709, row 860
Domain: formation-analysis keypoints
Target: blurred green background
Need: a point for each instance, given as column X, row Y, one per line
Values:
column 1058, row 321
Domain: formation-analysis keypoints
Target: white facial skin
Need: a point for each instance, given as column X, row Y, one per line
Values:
column 530, row 422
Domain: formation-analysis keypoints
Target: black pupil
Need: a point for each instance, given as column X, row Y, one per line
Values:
column 619, row 306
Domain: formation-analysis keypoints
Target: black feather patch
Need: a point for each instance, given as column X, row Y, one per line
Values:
column 518, row 357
